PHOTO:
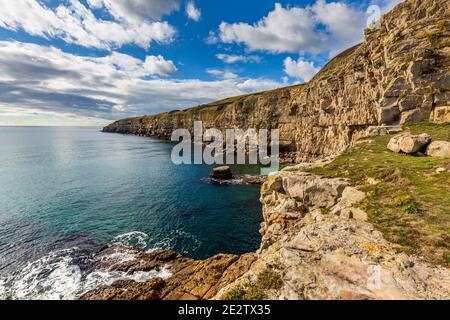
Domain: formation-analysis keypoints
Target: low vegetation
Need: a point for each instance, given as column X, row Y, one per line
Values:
column 408, row 198
column 256, row 290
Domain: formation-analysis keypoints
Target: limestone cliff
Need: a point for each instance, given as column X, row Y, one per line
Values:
column 316, row 244
column 399, row 74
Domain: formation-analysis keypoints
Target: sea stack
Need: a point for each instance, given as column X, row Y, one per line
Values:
column 222, row 173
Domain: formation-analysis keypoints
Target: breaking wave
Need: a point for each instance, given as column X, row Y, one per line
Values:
column 68, row 274
column 133, row 239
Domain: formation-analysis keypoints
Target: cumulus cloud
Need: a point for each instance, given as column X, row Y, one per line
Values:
column 136, row 11
column 300, row 69
column 77, row 24
column 133, row 67
column 48, row 80
column 224, row 74
column 212, row 38
column 229, row 58
column 159, row 66
column 193, row 12
column 321, row 27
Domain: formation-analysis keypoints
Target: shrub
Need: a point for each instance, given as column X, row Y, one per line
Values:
column 266, row 280
column 412, row 209
column 402, row 201
column 446, row 257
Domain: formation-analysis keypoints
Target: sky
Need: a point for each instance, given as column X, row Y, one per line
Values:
column 90, row 62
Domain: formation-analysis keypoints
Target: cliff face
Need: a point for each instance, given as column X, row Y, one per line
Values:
column 400, row 74
column 316, row 244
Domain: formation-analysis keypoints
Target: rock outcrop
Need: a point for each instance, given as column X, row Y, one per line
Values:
column 189, row 280
column 316, row 242
column 316, row 245
column 222, row 173
column 409, row 144
column 319, row 252
column 399, row 74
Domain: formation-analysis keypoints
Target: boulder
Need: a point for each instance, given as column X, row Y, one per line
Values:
column 354, row 213
column 439, row 149
column 352, row 196
column 408, row 143
column 314, row 190
column 222, row 173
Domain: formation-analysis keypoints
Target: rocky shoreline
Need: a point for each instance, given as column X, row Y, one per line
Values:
column 316, row 240
column 316, row 244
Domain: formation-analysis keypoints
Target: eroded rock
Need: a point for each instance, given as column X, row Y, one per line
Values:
column 397, row 75
column 222, row 173
column 439, row 149
column 408, row 143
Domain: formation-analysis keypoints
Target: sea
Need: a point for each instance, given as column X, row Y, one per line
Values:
column 67, row 192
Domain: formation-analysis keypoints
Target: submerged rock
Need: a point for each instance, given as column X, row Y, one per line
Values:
column 308, row 251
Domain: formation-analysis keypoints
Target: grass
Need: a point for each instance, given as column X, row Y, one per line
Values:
column 406, row 199
column 255, row 290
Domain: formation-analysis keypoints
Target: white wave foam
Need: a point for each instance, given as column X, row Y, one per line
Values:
column 56, row 276
column 135, row 239
column 53, row 277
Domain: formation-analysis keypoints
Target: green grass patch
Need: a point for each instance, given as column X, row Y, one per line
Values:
column 255, row 290
column 406, row 199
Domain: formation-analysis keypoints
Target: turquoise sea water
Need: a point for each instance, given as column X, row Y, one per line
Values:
column 66, row 192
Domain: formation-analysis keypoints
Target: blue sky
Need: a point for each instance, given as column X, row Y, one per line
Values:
column 88, row 62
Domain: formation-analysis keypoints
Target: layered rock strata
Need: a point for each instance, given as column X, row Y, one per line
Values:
column 399, row 74
column 316, row 244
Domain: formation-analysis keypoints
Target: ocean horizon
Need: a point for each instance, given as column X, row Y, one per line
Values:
column 67, row 192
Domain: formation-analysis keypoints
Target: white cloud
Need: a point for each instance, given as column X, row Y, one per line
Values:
column 212, row 38
column 136, row 11
column 77, row 24
column 193, row 12
column 158, row 65
column 257, row 85
column 300, row 69
column 317, row 28
column 50, row 81
column 153, row 65
column 224, row 74
column 228, row 58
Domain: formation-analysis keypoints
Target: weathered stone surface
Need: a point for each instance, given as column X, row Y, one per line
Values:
column 439, row 149
column 345, row 259
column 314, row 235
column 317, row 254
column 190, row 280
column 408, row 143
column 352, row 196
column 382, row 130
column 398, row 75
column 324, row 256
column 309, row 189
column 222, row 173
